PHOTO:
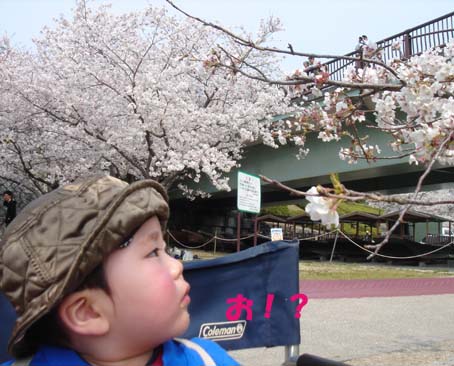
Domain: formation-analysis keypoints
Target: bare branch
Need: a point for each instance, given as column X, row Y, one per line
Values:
column 291, row 51
column 355, row 196
column 307, row 79
column 28, row 171
column 435, row 156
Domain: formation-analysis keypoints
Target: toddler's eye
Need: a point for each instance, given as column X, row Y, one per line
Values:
column 153, row 253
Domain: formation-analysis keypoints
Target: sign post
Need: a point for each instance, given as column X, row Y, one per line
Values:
column 248, row 198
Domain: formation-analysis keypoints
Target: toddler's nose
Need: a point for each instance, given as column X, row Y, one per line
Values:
column 176, row 267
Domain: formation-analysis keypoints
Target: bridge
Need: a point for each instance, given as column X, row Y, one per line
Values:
column 413, row 41
column 388, row 176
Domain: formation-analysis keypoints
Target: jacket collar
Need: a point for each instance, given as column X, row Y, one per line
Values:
column 56, row 356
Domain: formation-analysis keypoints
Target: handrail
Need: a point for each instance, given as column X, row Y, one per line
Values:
column 429, row 22
column 434, row 33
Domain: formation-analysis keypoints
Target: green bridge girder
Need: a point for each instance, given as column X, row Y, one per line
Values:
column 386, row 175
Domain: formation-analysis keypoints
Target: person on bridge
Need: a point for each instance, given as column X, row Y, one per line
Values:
column 359, row 64
column 370, row 49
column 311, row 67
column 361, row 43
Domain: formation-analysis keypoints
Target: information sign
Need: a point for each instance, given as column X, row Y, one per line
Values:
column 249, row 193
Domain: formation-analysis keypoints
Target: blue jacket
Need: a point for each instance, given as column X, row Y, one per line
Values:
column 174, row 354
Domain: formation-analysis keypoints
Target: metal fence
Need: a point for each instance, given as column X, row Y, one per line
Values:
column 413, row 41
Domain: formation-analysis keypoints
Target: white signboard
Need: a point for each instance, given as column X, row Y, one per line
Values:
column 249, row 193
column 276, row 234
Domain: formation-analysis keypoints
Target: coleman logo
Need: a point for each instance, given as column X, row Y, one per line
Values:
column 223, row 331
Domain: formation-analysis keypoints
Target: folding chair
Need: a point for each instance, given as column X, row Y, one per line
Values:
column 252, row 274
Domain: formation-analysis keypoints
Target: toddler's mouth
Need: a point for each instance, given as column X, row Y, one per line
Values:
column 186, row 298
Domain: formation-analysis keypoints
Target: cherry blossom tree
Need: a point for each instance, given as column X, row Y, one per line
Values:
column 412, row 101
column 140, row 95
column 148, row 95
column 37, row 155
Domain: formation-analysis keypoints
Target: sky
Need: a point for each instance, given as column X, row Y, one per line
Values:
column 325, row 27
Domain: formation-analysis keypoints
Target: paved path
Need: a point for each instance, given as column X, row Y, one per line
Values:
column 332, row 289
column 407, row 322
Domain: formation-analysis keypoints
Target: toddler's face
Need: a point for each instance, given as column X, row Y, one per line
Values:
column 149, row 294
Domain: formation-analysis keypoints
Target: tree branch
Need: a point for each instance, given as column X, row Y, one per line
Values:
column 249, row 43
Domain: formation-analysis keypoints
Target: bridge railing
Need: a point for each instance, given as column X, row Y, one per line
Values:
column 413, row 41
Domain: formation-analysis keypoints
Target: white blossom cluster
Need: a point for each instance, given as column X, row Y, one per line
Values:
column 427, row 101
column 418, row 118
column 321, row 208
column 134, row 95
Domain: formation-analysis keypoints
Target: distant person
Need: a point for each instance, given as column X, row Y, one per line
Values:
column 10, row 203
column 368, row 47
column 311, row 67
column 360, row 44
column 359, row 51
column 368, row 237
column 370, row 50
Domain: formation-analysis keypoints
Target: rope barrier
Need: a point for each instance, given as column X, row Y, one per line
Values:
column 389, row 256
column 319, row 235
column 264, row 236
column 225, row 239
column 337, row 231
column 214, row 237
column 188, row 247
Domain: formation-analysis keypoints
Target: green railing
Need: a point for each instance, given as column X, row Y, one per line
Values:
column 413, row 41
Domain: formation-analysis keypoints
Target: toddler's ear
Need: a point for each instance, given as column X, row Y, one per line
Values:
column 85, row 312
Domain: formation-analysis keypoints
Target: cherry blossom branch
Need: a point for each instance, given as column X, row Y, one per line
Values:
column 27, row 168
column 243, row 60
column 354, row 196
column 393, row 157
column 306, row 79
column 249, row 43
column 357, row 137
column 20, row 184
column 435, row 155
column 129, row 158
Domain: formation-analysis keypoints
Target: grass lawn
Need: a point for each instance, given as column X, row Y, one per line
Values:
column 314, row 270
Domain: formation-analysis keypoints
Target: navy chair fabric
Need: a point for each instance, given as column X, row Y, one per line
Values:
column 7, row 319
column 254, row 273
